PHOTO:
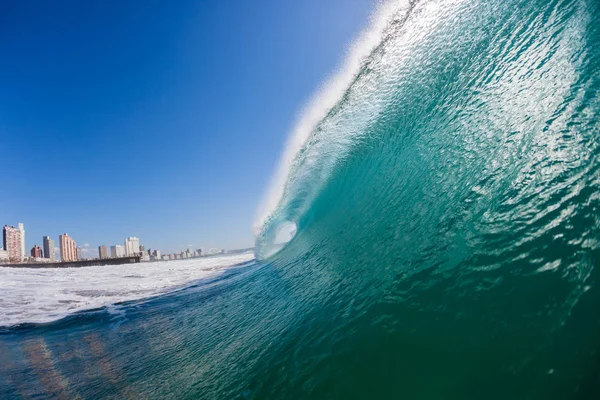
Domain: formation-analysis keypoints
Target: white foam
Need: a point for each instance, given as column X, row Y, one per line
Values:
column 38, row 295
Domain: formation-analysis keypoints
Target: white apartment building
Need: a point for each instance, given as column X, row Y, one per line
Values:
column 22, row 229
column 132, row 246
column 117, row 251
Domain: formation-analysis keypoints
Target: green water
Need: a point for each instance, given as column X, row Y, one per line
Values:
column 448, row 238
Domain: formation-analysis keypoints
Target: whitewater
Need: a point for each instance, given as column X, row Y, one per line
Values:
column 41, row 295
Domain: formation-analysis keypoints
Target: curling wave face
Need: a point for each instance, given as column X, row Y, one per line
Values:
column 457, row 101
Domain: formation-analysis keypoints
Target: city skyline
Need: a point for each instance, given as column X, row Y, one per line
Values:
column 90, row 250
column 14, row 242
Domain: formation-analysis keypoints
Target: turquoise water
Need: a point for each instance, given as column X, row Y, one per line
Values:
column 446, row 208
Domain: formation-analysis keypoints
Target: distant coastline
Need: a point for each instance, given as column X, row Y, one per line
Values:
column 97, row 262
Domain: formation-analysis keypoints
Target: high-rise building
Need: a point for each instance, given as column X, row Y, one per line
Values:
column 102, row 251
column 68, row 248
column 36, row 252
column 117, row 251
column 79, row 253
column 22, row 229
column 49, row 248
column 155, row 255
column 132, row 246
column 12, row 243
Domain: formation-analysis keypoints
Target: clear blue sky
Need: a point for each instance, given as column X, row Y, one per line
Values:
column 158, row 119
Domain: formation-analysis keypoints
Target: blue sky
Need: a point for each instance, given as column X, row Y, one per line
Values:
column 162, row 120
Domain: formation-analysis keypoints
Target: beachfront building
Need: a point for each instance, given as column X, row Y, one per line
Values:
column 155, row 255
column 117, row 251
column 13, row 244
column 22, row 229
column 132, row 246
column 3, row 255
column 68, row 248
column 102, row 252
column 48, row 248
column 36, row 252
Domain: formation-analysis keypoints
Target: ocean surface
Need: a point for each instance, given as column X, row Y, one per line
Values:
column 433, row 232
